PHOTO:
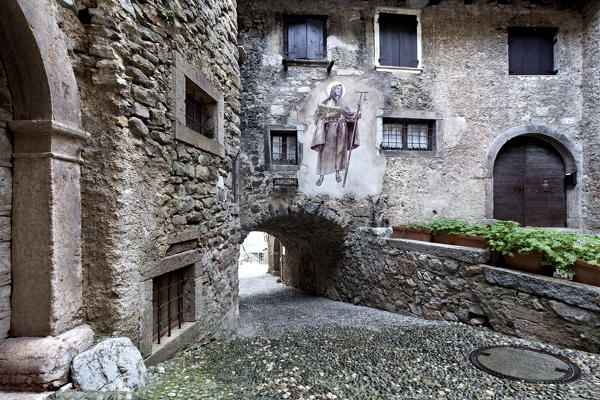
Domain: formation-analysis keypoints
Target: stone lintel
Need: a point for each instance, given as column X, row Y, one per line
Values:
column 576, row 294
column 187, row 235
column 41, row 363
column 170, row 263
column 468, row 255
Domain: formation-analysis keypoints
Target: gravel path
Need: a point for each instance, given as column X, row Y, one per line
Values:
column 294, row 346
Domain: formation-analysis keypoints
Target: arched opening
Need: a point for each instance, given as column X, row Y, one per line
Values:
column 529, row 183
column 546, row 143
column 42, row 215
column 305, row 249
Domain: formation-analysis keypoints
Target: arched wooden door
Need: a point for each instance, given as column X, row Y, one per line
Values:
column 529, row 183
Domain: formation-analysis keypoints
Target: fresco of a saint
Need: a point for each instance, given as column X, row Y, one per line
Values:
column 334, row 127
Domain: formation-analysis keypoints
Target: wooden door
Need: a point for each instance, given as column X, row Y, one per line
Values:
column 529, row 185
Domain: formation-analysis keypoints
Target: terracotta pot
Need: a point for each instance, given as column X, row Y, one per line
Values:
column 531, row 262
column 586, row 273
column 401, row 232
column 459, row 239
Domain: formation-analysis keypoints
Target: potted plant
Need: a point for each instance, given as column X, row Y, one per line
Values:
column 457, row 233
column 523, row 249
column 587, row 265
column 412, row 231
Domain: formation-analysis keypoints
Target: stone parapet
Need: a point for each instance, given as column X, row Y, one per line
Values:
column 443, row 282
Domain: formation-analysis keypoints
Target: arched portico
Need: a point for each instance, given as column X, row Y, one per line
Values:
column 47, row 133
column 570, row 153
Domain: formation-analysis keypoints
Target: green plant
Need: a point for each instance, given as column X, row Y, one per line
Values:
column 448, row 225
column 169, row 16
column 587, row 248
column 508, row 238
column 559, row 248
column 415, row 225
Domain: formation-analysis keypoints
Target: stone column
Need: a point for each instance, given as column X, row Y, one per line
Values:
column 46, row 258
column 46, row 253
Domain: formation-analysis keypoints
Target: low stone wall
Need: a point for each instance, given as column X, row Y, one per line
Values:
column 436, row 281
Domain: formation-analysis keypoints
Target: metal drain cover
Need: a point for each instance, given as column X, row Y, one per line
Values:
column 525, row 364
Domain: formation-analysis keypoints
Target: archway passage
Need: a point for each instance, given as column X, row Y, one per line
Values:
column 307, row 249
column 529, row 183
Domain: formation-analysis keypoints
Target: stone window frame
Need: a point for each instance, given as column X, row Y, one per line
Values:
column 402, row 11
column 190, row 262
column 425, row 116
column 299, row 129
column 182, row 71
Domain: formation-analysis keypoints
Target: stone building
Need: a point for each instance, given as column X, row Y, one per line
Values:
column 459, row 126
column 119, row 129
column 141, row 140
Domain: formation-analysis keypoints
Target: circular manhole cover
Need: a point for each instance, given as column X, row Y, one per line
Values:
column 525, row 364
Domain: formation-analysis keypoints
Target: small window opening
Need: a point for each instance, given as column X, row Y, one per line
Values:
column 305, row 37
column 199, row 110
column 284, row 147
column 167, row 303
column 531, row 51
column 407, row 135
column 398, row 40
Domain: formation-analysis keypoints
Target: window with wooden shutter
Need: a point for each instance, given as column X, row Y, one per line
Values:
column 531, row 51
column 398, row 40
column 305, row 37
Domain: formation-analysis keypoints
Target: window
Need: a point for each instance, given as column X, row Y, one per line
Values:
column 305, row 37
column 531, row 51
column 398, row 39
column 407, row 135
column 167, row 303
column 199, row 110
column 284, row 148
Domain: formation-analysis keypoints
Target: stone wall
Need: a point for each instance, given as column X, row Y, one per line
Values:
column 591, row 117
column 141, row 187
column 464, row 79
column 452, row 283
column 5, row 203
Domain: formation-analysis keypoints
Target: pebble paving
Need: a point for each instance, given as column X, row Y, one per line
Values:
column 294, row 346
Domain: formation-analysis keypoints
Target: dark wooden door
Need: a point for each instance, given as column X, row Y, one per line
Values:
column 529, row 185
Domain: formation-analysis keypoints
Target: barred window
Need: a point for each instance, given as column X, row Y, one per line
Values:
column 167, row 303
column 199, row 110
column 401, row 134
column 284, row 149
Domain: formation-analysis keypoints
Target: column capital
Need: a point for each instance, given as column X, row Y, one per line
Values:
column 47, row 139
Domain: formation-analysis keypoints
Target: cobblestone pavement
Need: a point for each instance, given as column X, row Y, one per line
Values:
column 294, row 346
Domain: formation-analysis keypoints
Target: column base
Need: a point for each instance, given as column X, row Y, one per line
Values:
column 41, row 363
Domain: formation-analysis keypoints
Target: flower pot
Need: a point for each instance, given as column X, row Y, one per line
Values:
column 401, row 232
column 586, row 273
column 459, row 239
column 531, row 262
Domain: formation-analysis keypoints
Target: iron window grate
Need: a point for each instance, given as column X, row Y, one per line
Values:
column 198, row 115
column 167, row 303
column 413, row 135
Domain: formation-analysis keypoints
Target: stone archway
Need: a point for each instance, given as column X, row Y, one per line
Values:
column 568, row 150
column 314, row 239
column 47, row 133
